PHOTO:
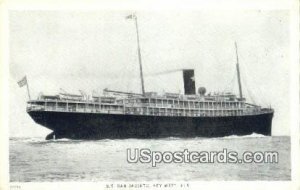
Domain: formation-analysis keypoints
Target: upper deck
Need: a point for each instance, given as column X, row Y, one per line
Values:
column 169, row 104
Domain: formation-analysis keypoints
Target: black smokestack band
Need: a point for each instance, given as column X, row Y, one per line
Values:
column 189, row 81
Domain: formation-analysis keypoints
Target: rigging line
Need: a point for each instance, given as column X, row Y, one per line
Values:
column 260, row 98
column 257, row 87
column 122, row 78
column 263, row 98
column 131, row 68
column 245, row 81
column 229, row 87
column 249, row 93
column 127, row 68
column 231, row 84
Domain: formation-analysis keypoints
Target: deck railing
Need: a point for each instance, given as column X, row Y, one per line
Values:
column 144, row 109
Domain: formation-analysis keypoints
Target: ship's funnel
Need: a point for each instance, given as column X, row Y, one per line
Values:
column 189, row 81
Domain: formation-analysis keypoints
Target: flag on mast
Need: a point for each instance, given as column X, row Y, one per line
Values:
column 22, row 82
column 132, row 16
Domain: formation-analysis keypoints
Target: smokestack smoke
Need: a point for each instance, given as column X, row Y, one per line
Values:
column 164, row 72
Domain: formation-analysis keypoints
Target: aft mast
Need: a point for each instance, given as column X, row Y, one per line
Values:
column 238, row 73
column 133, row 16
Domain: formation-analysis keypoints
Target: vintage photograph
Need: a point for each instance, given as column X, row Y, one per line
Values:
column 144, row 95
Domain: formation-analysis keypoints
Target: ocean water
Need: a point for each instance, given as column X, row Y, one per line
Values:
column 38, row 160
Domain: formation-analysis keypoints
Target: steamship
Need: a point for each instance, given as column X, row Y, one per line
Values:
column 117, row 114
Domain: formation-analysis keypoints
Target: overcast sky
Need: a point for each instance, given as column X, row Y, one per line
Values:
column 93, row 50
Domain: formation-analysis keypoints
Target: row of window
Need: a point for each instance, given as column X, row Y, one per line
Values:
column 147, row 111
column 121, row 107
column 155, row 103
column 158, row 102
column 191, row 106
column 173, row 112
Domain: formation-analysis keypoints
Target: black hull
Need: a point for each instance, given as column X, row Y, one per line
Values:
column 76, row 125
